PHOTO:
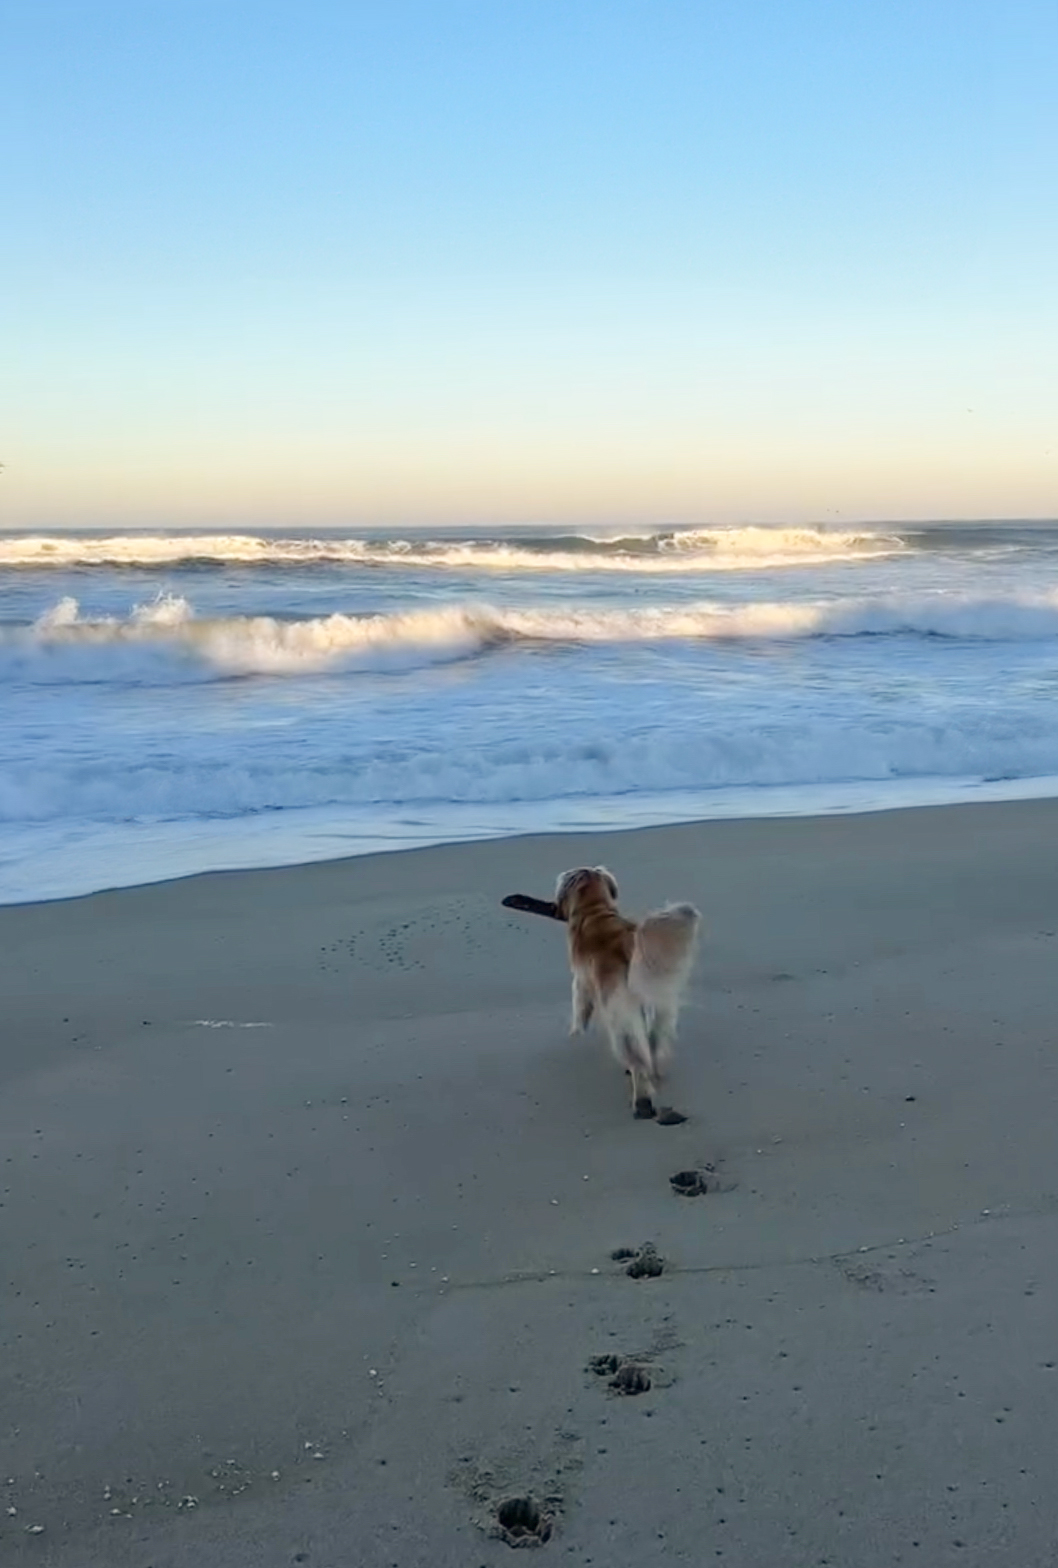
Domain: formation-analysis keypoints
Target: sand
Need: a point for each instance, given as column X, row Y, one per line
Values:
column 309, row 1207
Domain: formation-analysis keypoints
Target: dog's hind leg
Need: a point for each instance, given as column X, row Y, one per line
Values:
column 583, row 1005
column 635, row 1053
column 627, row 1031
column 662, row 1037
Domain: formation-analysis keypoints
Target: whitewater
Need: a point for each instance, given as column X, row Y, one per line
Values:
column 174, row 702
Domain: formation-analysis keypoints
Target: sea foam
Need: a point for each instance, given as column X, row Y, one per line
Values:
column 263, row 644
column 658, row 552
column 424, row 774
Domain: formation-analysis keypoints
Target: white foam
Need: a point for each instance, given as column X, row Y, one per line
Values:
column 79, row 858
column 470, row 767
column 226, row 1023
column 757, row 543
column 242, row 645
column 680, row 551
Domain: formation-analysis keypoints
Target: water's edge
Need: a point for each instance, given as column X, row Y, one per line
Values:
column 148, row 854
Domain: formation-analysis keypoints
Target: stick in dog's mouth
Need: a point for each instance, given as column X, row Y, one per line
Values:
column 533, row 906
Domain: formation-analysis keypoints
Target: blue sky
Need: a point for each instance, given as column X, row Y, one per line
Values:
column 528, row 261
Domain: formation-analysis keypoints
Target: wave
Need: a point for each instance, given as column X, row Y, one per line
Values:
column 262, row 644
column 413, row 776
column 672, row 551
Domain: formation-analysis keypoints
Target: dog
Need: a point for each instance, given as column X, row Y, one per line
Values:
column 632, row 975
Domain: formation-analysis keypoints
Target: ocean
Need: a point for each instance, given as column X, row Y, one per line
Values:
column 175, row 702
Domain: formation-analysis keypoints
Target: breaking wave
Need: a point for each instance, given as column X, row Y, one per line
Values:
column 673, row 551
column 418, row 775
column 262, row 644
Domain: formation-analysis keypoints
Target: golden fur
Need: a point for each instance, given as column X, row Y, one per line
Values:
column 631, row 974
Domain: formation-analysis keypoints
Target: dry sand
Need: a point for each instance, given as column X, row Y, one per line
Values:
column 326, row 1290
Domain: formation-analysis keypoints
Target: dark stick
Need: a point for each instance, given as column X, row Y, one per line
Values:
column 533, row 906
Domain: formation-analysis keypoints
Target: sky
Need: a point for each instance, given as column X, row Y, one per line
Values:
column 425, row 261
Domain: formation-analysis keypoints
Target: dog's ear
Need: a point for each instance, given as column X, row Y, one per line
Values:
column 565, row 885
column 610, row 880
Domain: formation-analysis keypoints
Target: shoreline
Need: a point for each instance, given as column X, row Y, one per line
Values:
column 175, row 851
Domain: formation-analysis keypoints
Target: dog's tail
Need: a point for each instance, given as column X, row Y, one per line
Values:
column 663, row 955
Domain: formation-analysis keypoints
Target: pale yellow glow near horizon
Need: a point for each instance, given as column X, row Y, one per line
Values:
column 489, row 478
column 634, row 405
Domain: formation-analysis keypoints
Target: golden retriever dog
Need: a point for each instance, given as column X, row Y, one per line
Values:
column 633, row 975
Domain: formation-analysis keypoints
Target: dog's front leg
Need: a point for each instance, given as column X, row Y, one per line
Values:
column 643, row 1107
column 583, row 1005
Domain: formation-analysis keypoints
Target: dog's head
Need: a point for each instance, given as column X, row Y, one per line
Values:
column 584, row 883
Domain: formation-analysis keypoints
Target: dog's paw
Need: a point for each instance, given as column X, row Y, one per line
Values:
column 644, row 1109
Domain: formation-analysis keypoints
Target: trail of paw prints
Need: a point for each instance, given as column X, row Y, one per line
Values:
column 691, row 1183
column 522, row 1521
column 643, row 1262
column 521, row 1498
column 391, row 944
column 411, row 943
column 627, row 1376
column 705, row 1179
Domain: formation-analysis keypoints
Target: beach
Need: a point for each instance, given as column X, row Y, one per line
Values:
column 309, row 1205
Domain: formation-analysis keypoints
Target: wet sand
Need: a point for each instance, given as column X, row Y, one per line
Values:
column 309, row 1209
